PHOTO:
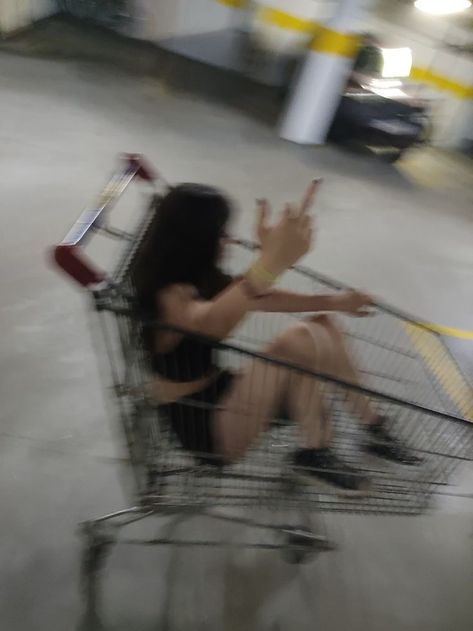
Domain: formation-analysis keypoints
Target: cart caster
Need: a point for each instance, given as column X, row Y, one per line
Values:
column 90, row 623
column 302, row 546
column 98, row 542
column 297, row 551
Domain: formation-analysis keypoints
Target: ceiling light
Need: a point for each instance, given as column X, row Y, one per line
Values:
column 397, row 62
column 442, row 7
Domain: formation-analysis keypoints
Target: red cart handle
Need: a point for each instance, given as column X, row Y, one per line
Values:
column 68, row 254
column 71, row 260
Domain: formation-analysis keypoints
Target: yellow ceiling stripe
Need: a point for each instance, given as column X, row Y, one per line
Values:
column 286, row 21
column 325, row 40
column 334, row 43
column 425, row 75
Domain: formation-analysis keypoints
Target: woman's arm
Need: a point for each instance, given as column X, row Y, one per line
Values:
column 281, row 301
column 214, row 318
column 218, row 317
column 285, row 243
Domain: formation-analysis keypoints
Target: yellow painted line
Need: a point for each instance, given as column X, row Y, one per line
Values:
column 449, row 331
column 235, row 4
column 443, row 368
column 441, row 82
column 284, row 20
column 335, row 43
column 325, row 40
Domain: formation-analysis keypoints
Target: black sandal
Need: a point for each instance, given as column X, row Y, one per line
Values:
column 383, row 444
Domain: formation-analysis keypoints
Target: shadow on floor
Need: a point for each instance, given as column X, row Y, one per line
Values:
column 68, row 38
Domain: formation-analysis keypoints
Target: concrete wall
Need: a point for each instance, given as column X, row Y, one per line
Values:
column 286, row 40
column 163, row 19
column 398, row 24
column 16, row 14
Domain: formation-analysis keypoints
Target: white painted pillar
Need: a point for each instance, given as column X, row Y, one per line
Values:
column 316, row 93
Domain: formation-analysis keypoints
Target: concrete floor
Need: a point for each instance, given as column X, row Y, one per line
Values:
column 404, row 233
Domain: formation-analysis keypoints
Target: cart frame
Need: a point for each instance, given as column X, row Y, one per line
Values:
column 178, row 489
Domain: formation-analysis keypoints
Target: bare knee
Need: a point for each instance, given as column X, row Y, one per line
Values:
column 325, row 319
column 292, row 340
column 330, row 323
column 303, row 343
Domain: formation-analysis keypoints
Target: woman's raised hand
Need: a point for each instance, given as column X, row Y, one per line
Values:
column 287, row 240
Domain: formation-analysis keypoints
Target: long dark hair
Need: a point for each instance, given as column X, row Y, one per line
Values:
column 182, row 245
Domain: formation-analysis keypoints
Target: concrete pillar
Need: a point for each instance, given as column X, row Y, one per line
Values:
column 18, row 14
column 316, row 93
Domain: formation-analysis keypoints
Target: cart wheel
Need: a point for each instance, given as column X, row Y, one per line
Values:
column 302, row 545
column 298, row 546
column 296, row 556
column 98, row 543
column 90, row 622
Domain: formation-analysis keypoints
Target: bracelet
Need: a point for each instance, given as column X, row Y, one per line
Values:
column 257, row 275
column 261, row 274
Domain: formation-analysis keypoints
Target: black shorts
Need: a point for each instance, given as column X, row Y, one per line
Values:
column 191, row 417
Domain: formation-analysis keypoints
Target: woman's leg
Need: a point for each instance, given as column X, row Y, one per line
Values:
column 345, row 369
column 257, row 393
column 381, row 441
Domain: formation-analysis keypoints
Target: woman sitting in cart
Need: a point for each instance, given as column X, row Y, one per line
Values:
column 217, row 413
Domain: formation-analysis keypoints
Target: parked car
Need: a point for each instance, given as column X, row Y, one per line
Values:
column 380, row 108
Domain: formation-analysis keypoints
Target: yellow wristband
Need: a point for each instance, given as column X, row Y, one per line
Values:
column 262, row 273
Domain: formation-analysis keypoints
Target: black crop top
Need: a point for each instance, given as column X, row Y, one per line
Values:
column 190, row 360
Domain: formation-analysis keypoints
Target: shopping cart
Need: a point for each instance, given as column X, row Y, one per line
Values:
column 404, row 365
